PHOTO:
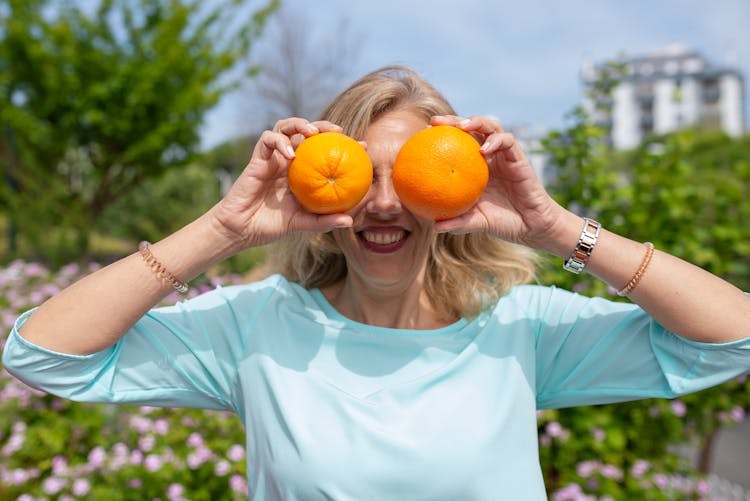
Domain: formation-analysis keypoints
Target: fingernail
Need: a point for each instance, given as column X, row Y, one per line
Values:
column 290, row 152
column 485, row 146
column 311, row 128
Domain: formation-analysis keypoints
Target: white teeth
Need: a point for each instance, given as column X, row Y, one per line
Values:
column 383, row 238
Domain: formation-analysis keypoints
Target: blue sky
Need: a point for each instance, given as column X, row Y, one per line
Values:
column 518, row 61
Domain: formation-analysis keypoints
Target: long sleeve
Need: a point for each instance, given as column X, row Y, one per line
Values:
column 183, row 355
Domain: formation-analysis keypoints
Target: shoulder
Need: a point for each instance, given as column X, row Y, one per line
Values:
column 540, row 302
column 246, row 297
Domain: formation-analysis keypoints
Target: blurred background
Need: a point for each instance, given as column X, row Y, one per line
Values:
column 121, row 120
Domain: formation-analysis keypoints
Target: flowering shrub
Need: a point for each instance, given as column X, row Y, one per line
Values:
column 55, row 449
column 52, row 448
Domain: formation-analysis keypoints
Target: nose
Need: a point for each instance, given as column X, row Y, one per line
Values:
column 382, row 199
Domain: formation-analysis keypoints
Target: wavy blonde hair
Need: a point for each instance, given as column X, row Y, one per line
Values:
column 465, row 273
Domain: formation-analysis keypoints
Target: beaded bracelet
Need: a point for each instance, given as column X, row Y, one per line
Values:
column 639, row 272
column 160, row 270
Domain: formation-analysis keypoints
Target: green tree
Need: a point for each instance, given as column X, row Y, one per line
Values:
column 96, row 101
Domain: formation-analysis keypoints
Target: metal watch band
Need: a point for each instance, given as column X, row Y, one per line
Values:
column 586, row 242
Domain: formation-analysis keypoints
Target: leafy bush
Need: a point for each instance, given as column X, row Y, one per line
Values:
column 687, row 193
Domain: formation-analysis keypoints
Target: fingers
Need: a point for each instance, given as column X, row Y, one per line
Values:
column 270, row 142
column 505, row 144
column 287, row 134
column 297, row 129
column 488, row 132
column 496, row 140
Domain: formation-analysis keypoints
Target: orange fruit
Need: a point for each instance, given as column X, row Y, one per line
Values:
column 331, row 173
column 440, row 172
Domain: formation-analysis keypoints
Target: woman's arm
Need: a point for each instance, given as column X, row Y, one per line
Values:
column 97, row 311
column 515, row 207
column 682, row 297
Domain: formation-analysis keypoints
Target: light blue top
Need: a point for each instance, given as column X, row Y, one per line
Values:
column 336, row 409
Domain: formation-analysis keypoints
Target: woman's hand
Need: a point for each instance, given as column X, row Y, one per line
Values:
column 259, row 207
column 514, row 206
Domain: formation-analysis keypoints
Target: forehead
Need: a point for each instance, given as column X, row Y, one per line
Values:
column 394, row 127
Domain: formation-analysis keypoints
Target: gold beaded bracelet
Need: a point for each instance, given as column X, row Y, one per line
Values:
column 160, row 270
column 639, row 273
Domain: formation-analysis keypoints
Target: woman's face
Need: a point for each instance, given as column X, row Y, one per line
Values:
column 387, row 246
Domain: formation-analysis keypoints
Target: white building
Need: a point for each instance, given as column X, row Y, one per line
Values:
column 664, row 91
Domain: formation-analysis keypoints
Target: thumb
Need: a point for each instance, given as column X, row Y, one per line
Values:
column 468, row 222
column 306, row 221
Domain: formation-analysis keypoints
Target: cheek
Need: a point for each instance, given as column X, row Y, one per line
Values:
column 344, row 237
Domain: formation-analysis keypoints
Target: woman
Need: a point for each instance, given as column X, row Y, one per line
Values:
column 395, row 358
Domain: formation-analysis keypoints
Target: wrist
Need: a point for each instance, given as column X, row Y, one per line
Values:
column 194, row 248
column 229, row 239
column 561, row 236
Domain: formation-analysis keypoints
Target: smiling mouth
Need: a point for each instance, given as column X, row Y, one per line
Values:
column 383, row 242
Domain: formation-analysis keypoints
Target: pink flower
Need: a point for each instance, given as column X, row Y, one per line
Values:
column 611, row 471
column 222, row 468
column 59, row 465
column 553, row 429
column 140, row 424
column 81, row 487
column 161, row 426
column 195, row 440
column 146, row 443
column 639, row 468
column 568, row 493
column 737, row 414
column 120, row 449
column 586, row 468
column 236, row 453
column 135, row 483
column 678, row 407
column 598, row 434
column 35, row 270
column 702, row 488
column 18, row 476
column 53, row 485
column 175, row 492
column 198, row 457
column 238, row 484
column 153, row 462
column 96, row 457
column 136, row 457
column 14, row 444
column 661, row 480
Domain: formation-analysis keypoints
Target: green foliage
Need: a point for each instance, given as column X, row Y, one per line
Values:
column 160, row 206
column 689, row 194
column 96, row 101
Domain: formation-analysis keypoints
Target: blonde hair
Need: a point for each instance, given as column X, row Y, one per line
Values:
column 465, row 273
